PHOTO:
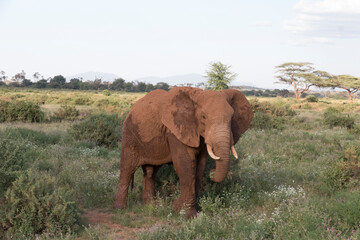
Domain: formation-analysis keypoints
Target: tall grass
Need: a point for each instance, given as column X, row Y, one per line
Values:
column 299, row 181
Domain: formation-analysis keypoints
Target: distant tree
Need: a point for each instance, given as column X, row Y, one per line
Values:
column 97, row 83
column 219, row 76
column 57, row 82
column 2, row 75
column 118, row 84
column 129, row 87
column 75, row 83
column 26, row 83
column 141, row 87
column 284, row 93
column 36, row 76
column 163, row 86
column 296, row 74
column 19, row 77
column 349, row 83
column 149, row 87
column 41, row 84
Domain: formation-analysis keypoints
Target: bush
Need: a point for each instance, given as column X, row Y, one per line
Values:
column 345, row 172
column 261, row 121
column 270, row 109
column 35, row 137
column 12, row 161
column 66, row 113
column 18, row 148
column 267, row 115
column 333, row 118
column 82, row 101
column 3, row 110
column 35, row 205
column 102, row 129
column 20, row 111
column 312, row 98
column 106, row 93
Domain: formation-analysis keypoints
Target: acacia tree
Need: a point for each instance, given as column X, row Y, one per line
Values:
column 347, row 82
column 300, row 75
column 219, row 76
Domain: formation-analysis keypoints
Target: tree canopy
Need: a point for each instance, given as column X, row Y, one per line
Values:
column 300, row 75
column 219, row 76
column 347, row 82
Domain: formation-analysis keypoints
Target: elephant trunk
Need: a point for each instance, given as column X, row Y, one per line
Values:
column 221, row 146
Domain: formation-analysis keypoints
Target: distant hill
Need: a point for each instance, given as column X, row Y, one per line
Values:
column 105, row 77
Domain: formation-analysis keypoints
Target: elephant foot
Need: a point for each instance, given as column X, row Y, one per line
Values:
column 191, row 213
column 119, row 205
column 148, row 200
column 180, row 206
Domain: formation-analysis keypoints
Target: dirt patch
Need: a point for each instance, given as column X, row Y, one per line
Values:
column 102, row 218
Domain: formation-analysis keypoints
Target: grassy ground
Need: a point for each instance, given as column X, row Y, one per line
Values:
column 295, row 182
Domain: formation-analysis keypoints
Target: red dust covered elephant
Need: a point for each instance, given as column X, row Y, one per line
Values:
column 181, row 126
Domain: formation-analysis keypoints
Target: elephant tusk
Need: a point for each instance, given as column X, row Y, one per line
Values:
column 234, row 152
column 209, row 149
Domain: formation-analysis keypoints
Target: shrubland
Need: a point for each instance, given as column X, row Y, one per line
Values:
column 297, row 176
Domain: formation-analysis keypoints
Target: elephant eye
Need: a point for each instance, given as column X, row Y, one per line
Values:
column 203, row 116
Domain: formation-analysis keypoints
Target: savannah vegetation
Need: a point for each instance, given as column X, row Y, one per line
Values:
column 297, row 176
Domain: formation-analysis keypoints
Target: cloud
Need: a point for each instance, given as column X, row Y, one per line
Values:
column 311, row 40
column 329, row 6
column 326, row 19
column 262, row 24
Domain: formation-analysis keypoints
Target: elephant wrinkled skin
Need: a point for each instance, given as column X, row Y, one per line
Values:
column 181, row 126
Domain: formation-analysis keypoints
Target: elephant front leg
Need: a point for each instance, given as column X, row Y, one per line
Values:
column 200, row 169
column 184, row 162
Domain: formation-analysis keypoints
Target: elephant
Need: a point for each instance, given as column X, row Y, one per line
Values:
column 182, row 127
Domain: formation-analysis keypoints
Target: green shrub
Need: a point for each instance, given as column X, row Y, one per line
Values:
column 3, row 110
column 106, row 93
column 312, row 98
column 25, row 111
column 267, row 115
column 18, row 148
column 344, row 211
column 82, row 101
column 35, row 204
column 102, row 129
column 66, row 112
column 333, row 118
column 271, row 109
column 261, row 121
column 345, row 172
column 35, row 137
column 12, row 161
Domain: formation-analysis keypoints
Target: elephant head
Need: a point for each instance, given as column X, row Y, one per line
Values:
column 219, row 117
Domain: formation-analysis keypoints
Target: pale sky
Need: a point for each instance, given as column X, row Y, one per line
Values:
column 142, row 38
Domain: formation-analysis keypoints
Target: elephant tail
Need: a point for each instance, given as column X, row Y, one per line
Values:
column 132, row 182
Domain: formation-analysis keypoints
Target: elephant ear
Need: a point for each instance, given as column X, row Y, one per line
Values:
column 178, row 115
column 243, row 113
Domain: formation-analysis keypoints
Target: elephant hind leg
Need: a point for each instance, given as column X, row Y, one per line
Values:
column 148, row 194
column 123, row 186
